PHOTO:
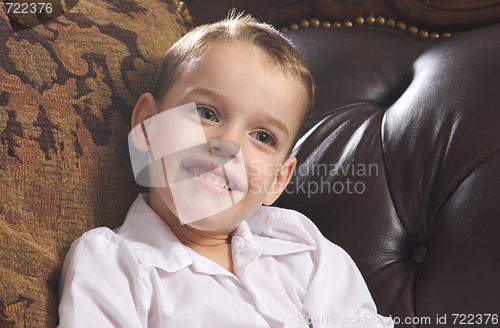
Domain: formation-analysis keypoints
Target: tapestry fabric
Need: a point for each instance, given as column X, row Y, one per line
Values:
column 67, row 90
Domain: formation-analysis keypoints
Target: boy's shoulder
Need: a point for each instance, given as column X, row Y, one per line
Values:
column 94, row 241
column 285, row 224
column 100, row 235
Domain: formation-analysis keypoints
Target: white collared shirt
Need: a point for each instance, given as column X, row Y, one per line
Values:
column 286, row 275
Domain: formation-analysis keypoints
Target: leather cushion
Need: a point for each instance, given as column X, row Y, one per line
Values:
column 425, row 113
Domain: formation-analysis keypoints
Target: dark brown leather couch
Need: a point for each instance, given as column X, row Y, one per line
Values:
column 403, row 170
column 423, row 223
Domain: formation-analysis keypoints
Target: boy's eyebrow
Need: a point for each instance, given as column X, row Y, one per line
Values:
column 271, row 120
column 206, row 92
column 268, row 118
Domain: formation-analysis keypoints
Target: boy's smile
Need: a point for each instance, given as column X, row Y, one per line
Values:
column 250, row 111
column 219, row 177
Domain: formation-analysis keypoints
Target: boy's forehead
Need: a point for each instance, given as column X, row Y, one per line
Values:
column 226, row 57
column 234, row 53
column 227, row 54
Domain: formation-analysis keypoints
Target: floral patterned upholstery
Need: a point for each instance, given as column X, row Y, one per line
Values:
column 67, row 90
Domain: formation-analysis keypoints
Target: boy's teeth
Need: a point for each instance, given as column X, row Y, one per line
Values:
column 216, row 180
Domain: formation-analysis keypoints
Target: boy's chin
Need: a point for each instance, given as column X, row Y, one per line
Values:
column 213, row 224
column 220, row 222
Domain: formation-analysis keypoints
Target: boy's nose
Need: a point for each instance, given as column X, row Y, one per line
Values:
column 226, row 149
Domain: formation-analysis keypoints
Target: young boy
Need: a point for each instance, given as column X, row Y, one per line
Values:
column 213, row 256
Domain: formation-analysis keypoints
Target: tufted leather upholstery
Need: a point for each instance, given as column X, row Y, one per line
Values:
column 423, row 224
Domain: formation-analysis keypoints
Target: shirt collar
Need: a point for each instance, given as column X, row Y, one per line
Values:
column 257, row 232
column 151, row 238
column 155, row 244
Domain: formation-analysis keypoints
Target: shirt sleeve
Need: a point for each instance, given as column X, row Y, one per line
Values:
column 100, row 284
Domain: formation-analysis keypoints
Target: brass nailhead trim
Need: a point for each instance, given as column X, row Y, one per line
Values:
column 380, row 21
column 423, row 34
column 368, row 20
column 315, row 22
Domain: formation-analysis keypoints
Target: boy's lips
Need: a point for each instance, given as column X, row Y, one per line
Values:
column 213, row 173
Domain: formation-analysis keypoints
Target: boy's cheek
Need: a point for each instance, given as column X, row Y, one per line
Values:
column 259, row 168
column 261, row 183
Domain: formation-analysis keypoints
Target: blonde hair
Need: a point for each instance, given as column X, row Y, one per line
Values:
column 239, row 28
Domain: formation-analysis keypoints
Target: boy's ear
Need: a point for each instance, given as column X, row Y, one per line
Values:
column 281, row 181
column 144, row 109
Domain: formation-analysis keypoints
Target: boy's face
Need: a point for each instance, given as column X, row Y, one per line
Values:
column 250, row 112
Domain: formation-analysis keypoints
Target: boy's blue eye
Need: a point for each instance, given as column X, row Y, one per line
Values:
column 207, row 113
column 264, row 137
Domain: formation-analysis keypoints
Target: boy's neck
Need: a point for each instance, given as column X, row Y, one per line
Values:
column 195, row 238
column 213, row 245
column 187, row 235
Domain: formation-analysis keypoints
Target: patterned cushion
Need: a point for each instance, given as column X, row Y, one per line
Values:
column 67, row 90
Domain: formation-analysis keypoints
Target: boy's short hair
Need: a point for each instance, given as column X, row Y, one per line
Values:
column 239, row 28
